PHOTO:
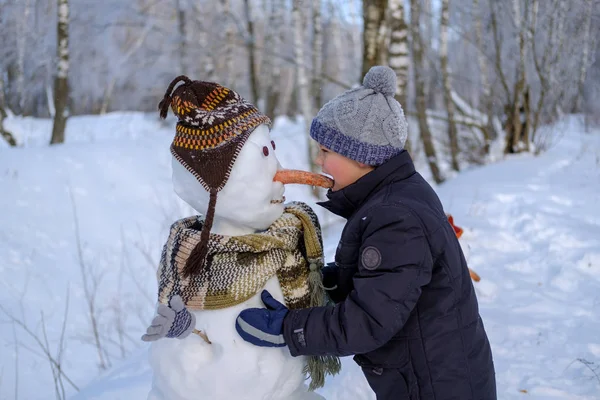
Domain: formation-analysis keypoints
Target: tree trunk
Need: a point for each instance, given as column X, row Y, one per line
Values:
column 21, row 50
column 560, row 35
column 3, row 132
column 515, row 139
column 304, row 85
column 317, row 54
column 182, row 37
column 545, row 67
column 421, row 96
column 61, row 87
column 271, row 65
column 452, row 130
column 398, row 49
column 488, row 131
column 584, row 55
column 334, row 40
column 373, row 18
column 254, row 90
column 398, row 57
column 229, row 73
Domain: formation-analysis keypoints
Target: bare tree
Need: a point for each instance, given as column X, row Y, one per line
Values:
column 181, row 26
column 254, row 89
column 306, row 106
column 22, row 35
column 452, row 130
column 134, row 44
column 585, row 51
column 421, row 98
column 55, row 360
column 544, row 66
column 3, row 132
column 483, row 73
column 373, row 19
column 398, row 49
column 517, row 138
column 90, row 290
column 317, row 54
column 61, row 85
column 229, row 74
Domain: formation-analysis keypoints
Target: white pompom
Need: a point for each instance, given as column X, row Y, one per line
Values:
column 381, row 79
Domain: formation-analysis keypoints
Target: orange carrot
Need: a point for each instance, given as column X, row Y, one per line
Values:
column 459, row 231
column 287, row 176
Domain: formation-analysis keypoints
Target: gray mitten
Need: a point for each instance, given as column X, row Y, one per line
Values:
column 174, row 321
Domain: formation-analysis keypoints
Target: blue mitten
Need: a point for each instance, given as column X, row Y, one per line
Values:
column 263, row 326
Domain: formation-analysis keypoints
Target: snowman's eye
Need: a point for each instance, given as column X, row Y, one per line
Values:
column 273, row 144
column 265, row 151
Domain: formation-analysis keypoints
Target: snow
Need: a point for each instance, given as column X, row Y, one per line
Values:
column 532, row 232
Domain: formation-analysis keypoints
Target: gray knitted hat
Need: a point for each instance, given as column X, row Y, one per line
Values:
column 365, row 124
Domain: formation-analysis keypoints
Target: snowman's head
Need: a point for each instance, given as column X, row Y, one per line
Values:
column 222, row 150
column 250, row 198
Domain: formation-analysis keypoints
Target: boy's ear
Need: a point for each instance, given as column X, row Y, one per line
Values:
column 362, row 165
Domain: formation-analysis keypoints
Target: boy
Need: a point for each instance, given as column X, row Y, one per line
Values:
column 406, row 306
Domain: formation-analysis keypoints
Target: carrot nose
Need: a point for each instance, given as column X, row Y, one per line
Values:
column 286, row 176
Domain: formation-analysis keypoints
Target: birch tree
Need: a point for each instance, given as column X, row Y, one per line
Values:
column 483, row 75
column 303, row 83
column 317, row 53
column 373, row 20
column 452, row 130
column 398, row 49
column 585, row 51
column 22, row 35
column 544, row 65
column 3, row 132
column 421, row 98
column 254, row 89
column 182, row 31
column 228, row 74
column 271, row 65
column 61, row 86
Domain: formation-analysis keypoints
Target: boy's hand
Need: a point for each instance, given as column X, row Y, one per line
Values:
column 263, row 326
column 174, row 321
column 337, row 287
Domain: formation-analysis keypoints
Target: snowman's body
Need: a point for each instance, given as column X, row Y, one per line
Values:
column 230, row 368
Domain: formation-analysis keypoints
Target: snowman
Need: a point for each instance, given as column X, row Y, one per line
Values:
column 213, row 268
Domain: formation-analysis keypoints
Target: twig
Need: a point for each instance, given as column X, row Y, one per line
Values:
column 587, row 364
column 89, row 295
column 16, row 362
column 52, row 367
column 45, row 350
column 202, row 335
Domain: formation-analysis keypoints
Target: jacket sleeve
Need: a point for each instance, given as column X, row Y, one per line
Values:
column 394, row 262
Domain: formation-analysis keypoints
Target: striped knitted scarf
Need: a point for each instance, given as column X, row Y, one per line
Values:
column 238, row 267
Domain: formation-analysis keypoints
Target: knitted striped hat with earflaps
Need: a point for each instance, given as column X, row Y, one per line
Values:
column 213, row 124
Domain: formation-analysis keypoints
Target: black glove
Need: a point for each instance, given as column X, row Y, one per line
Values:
column 337, row 282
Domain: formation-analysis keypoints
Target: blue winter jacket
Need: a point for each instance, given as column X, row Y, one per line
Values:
column 411, row 316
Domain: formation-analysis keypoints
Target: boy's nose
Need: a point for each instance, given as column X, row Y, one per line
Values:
column 319, row 159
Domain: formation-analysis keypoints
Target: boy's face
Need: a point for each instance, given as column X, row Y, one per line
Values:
column 343, row 170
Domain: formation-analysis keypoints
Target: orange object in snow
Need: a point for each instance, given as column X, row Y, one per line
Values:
column 459, row 231
column 286, row 176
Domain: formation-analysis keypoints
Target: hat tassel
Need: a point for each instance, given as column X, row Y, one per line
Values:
column 163, row 106
column 197, row 259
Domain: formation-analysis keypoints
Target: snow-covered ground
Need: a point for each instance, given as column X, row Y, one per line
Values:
column 90, row 216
